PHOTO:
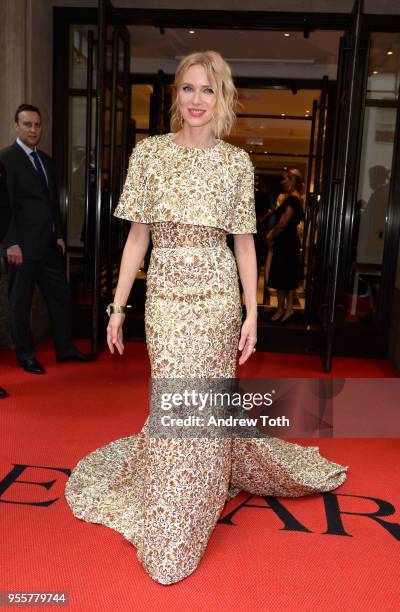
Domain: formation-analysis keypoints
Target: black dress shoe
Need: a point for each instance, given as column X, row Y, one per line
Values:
column 31, row 365
column 3, row 393
column 76, row 356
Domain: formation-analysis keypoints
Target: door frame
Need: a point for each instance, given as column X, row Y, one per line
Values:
column 383, row 23
column 254, row 20
column 63, row 17
column 346, row 149
column 327, row 96
column 346, row 338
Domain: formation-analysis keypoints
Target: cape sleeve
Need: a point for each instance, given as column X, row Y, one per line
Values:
column 132, row 204
column 244, row 214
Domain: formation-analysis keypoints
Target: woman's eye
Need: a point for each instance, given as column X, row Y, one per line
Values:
column 207, row 90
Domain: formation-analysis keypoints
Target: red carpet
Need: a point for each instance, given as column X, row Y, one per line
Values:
column 337, row 552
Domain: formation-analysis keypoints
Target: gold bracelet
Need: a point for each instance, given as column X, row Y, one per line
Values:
column 114, row 309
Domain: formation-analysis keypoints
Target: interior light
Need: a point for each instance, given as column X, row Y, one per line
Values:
column 375, row 72
column 283, row 114
column 192, row 32
column 286, row 34
column 389, row 52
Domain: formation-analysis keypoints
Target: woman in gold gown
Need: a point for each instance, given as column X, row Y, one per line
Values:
column 189, row 189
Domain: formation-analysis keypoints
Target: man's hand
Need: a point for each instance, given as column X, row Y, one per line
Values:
column 14, row 255
column 61, row 244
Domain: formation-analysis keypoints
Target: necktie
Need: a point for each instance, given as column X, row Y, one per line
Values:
column 39, row 169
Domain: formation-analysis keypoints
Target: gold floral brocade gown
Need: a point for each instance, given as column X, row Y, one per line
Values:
column 165, row 495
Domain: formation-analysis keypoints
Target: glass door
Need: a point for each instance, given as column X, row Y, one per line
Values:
column 312, row 260
column 282, row 128
column 364, row 221
column 374, row 236
column 112, row 108
column 343, row 176
column 96, row 122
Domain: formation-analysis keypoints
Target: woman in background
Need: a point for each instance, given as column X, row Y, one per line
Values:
column 284, row 274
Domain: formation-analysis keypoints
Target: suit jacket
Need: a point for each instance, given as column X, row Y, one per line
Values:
column 35, row 222
column 5, row 209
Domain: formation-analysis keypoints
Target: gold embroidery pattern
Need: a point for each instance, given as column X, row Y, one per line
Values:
column 212, row 187
column 166, row 495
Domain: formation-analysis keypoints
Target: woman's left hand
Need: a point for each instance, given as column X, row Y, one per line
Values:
column 248, row 339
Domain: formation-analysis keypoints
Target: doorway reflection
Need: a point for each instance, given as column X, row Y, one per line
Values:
column 365, row 298
column 278, row 129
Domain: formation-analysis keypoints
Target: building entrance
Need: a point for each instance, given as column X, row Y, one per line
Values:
column 313, row 112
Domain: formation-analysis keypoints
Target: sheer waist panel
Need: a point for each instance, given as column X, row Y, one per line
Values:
column 173, row 235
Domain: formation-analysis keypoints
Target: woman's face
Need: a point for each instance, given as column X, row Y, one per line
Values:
column 196, row 97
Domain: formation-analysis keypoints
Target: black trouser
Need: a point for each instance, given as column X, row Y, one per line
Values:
column 48, row 273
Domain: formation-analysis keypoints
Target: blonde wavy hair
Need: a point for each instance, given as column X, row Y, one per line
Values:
column 220, row 78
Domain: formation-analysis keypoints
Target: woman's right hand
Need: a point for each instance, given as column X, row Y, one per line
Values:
column 114, row 332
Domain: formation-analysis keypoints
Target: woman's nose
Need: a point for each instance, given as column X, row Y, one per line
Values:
column 196, row 96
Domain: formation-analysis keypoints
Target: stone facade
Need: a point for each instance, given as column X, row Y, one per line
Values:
column 26, row 41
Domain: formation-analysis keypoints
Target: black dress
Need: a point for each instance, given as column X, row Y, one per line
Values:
column 285, row 266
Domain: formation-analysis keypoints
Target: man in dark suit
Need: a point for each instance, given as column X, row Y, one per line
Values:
column 34, row 243
column 5, row 218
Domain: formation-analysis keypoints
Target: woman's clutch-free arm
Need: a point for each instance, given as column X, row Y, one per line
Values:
column 135, row 249
column 245, row 255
